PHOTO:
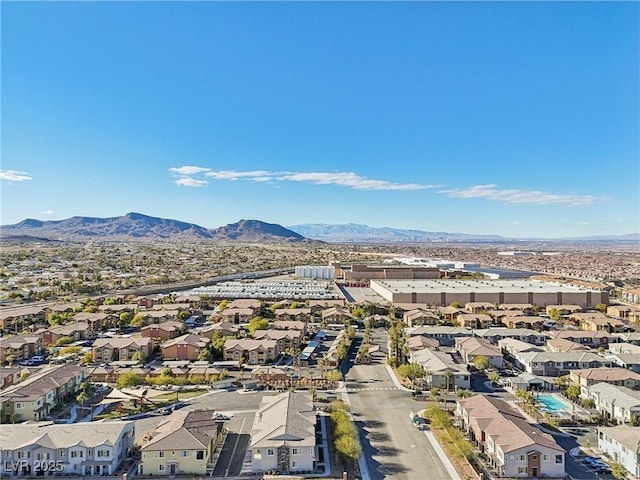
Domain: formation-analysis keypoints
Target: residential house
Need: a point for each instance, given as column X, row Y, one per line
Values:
column 98, row 321
column 83, row 449
column 622, row 311
column 226, row 329
column 442, row 370
column 107, row 350
column 623, row 347
column 185, row 347
column 478, row 307
column 419, row 317
column 336, row 315
column 450, row 313
column 418, row 342
column 473, row 347
column 19, row 347
column 563, row 309
column 532, row 322
column 596, row 321
column 38, row 394
column 183, row 444
column 593, row 339
column 16, row 319
column 615, row 376
column 446, row 336
column 317, row 306
column 299, row 314
column 474, row 320
column 615, row 403
column 236, row 315
column 250, row 351
column 290, row 325
column 494, row 335
column 514, row 447
column 556, row 364
column 622, row 444
column 564, row 345
column 525, row 308
column 629, row 337
column 164, row 330
column 283, row 434
column 11, row 376
column 75, row 331
column 629, row 361
column 63, row 309
column 285, row 339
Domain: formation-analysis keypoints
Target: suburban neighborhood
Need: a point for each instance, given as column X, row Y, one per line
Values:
column 240, row 380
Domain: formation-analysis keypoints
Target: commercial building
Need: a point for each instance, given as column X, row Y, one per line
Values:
column 445, row 292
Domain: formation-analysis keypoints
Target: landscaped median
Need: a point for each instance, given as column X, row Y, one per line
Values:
column 458, row 449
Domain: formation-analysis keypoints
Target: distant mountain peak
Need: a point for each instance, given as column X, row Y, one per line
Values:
column 256, row 231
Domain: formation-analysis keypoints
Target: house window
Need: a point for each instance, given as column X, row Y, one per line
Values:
column 200, row 455
column 522, row 470
column 294, row 464
column 76, row 454
column 103, row 453
column 161, row 467
column 158, row 455
column 257, row 454
column 295, row 451
column 545, row 458
column 18, row 405
column 521, row 458
column 185, row 453
column 270, row 451
column 559, row 458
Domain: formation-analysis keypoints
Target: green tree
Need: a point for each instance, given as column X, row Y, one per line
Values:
column 494, row 377
column 333, row 376
column 62, row 341
column 348, row 446
column 602, row 307
column 413, row 371
column 81, row 398
column 618, row 470
column 555, row 315
column 481, row 362
column 138, row 356
column 87, row 358
column 9, row 356
column 573, row 392
column 129, row 379
column 70, row 350
column 257, row 323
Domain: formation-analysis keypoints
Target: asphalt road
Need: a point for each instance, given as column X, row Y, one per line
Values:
column 392, row 447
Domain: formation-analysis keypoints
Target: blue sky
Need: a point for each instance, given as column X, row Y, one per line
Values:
column 517, row 119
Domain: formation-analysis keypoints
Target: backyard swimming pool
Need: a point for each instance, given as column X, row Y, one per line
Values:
column 552, row 403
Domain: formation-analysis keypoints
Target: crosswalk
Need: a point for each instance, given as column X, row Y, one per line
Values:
column 368, row 389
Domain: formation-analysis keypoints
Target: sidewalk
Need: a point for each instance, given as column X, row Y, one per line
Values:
column 395, row 380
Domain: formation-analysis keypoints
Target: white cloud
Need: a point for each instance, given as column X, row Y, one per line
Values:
column 342, row 179
column 514, row 196
column 191, row 182
column 188, row 170
column 232, row 175
column 14, row 176
column 47, row 212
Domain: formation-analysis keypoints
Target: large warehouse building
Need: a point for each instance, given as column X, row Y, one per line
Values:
column 444, row 292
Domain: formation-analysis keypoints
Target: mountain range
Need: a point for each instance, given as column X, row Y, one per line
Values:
column 137, row 225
